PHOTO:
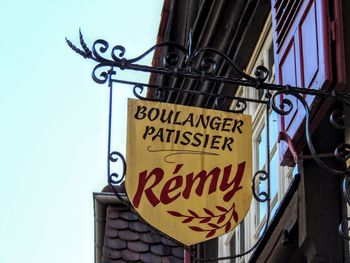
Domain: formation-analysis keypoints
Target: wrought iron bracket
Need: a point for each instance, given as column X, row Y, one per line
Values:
column 203, row 65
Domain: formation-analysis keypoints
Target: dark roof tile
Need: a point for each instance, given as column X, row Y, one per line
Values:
column 138, row 246
column 118, row 224
column 155, row 235
column 128, row 239
column 138, row 226
column 168, row 242
column 111, row 253
column 114, row 212
column 115, row 243
column 128, row 235
column 129, row 216
column 111, row 233
column 130, row 255
column 149, row 238
column 150, row 258
column 161, row 250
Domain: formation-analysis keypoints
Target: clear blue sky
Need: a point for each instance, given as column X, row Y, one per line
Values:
column 53, row 133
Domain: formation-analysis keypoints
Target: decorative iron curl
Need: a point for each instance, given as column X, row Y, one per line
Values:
column 120, row 55
column 158, row 94
column 116, row 56
column 179, row 61
column 241, row 106
column 101, row 73
column 115, row 178
column 221, row 101
column 344, row 230
column 341, row 148
column 171, row 60
column 262, row 73
column 137, row 90
column 337, row 119
column 259, row 176
column 285, row 107
column 342, row 152
column 99, row 48
column 206, row 66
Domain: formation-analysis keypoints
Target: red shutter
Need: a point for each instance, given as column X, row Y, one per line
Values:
column 303, row 55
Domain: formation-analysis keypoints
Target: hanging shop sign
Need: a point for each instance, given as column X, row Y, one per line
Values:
column 189, row 169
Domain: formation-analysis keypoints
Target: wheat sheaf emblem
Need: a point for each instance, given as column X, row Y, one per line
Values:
column 209, row 221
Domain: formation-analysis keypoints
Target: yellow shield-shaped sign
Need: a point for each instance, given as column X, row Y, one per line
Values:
column 188, row 169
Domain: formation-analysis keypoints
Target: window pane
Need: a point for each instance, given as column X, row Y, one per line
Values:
column 273, row 211
column 295, row 170
column 274, row 175
column 262, row 148
column 262, row 210
column 273, row 128
column 262, row 206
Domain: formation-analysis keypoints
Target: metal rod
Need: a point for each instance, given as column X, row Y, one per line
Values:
column 268, row 158
column 110, row 108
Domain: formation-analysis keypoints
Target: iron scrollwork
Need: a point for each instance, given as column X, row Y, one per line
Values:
column 341, row 152
column 260, row 176
column 203, row 65
column 115, row 178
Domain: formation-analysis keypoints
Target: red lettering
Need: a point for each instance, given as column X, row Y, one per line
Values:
column 235, row 181
column 173, row 188
column 168, row 188
column 202, row 176
column 143, row 180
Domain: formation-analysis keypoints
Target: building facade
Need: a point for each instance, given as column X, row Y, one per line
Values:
column 301, row 43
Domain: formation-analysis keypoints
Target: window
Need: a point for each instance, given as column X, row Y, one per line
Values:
column 237, row 242
column 262, row 162
column 303, row 59
column 246, row 235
